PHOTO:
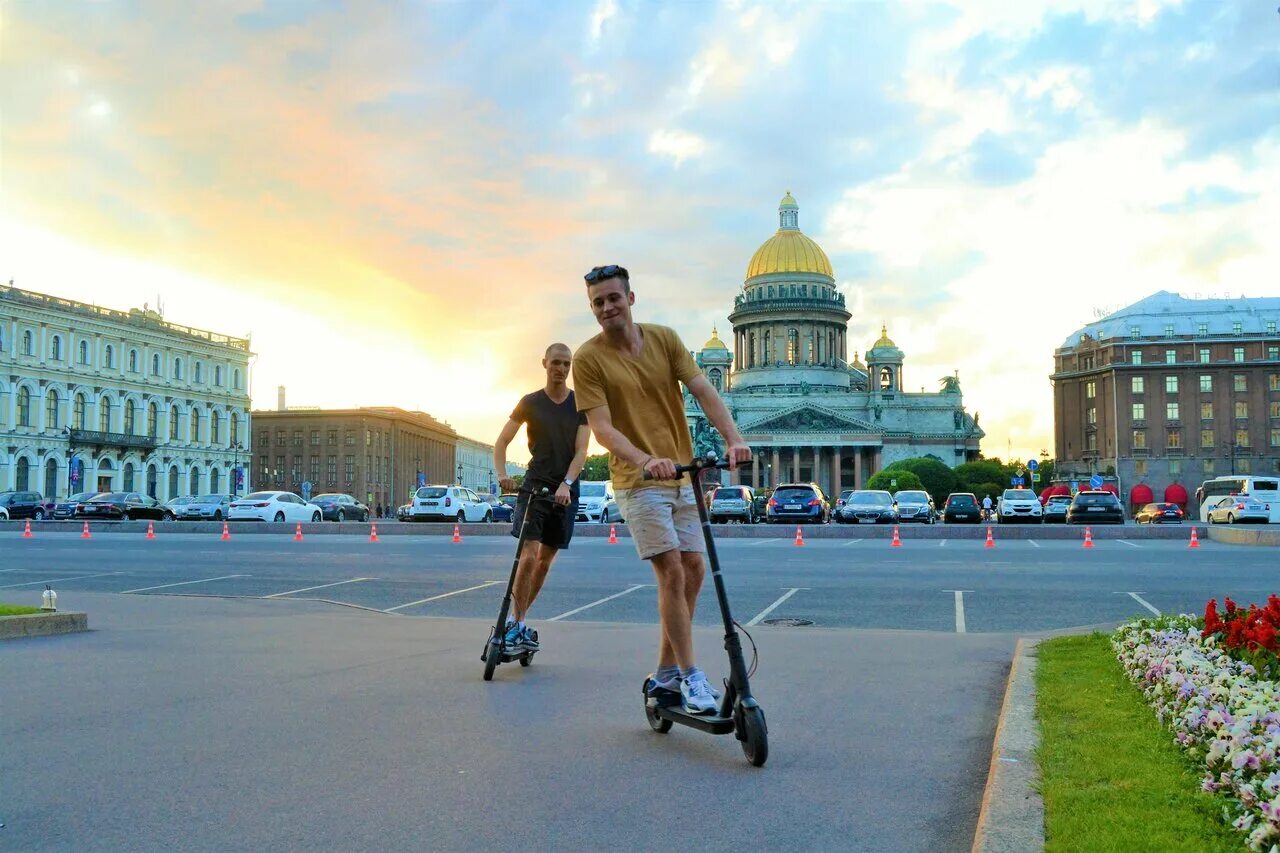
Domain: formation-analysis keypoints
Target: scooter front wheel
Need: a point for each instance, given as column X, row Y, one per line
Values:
column 754, row 735
column 492, row 658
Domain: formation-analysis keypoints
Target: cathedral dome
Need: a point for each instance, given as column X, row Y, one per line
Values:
column 788, row 250
column 714, row 342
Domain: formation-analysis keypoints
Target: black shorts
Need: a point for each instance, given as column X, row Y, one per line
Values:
column 549, row 523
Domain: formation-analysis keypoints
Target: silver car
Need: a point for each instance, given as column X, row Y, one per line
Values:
column 204, row 508
column 733, row 502
column 914, row 506
column 1240, row 509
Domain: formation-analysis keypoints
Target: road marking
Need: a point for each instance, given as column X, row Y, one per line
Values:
column 942, row 543
column 959, row 594
column 1130, row 544
column 60, row 580
column 438, row 597
column 790, row 591
column 321, row 586
column 183, row 583
column 1141, row 601
column 852, row 542
column 1033, row 543
column 594, row 603
column 765, row 541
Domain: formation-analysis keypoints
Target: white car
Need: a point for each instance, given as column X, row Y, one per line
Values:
column 1240, row 509
column 596, row 502
column 4, row 514
column 449, row 503
column 1020, row 505
column 272, row 506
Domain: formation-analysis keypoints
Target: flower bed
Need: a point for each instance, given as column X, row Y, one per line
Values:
column 1206, row 686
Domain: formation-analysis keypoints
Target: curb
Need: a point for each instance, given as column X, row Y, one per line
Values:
column 1238, row 536
column 42, row 624
column 1012, row 815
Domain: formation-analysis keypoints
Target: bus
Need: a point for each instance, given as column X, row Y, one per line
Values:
column 1265, row 489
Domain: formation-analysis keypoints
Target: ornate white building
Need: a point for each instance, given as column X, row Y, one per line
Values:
column 93, row 399
column 807, row 412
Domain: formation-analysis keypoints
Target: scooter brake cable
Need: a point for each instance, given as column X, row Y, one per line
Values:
column 755, row 654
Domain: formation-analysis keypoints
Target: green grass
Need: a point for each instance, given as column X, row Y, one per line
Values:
column 1113, row 779
column 16, row 609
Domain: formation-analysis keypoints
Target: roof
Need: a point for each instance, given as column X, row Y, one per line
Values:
column 1160, row 309
column 789, row 251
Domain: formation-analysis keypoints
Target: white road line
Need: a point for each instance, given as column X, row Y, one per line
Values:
column 765, row 541
column 852, row 542
column 60, row 580
column 183, row 583
column 1033, row 543
column 438, row 597
column 790, row 591
column 942, row 543
column 1130, row 544
column 1143, row 602
column 959, row 594
column 594, row 603
column 321, row 586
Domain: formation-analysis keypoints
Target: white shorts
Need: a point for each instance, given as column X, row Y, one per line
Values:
column 662, row 518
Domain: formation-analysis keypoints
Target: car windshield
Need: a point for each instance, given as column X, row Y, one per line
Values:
column 912, row 497
column 591, row 490
column 962, row 500
column 793, row 494
column 260, row 496
column 871, row 499
column 431, row 492
column 1019, row 495
column 729, row 495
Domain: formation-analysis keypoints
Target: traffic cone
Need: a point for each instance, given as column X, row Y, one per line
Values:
column 613, row 534
column 26, row 533
column 297, row 534
column 373, row 533
column 84, row 534
column 1195, row 540
column 799, row 536
column 226, row 533
column 896, row 543
column 1088, row 537
column 151, row 530
column 991, row 543
column 457, row 534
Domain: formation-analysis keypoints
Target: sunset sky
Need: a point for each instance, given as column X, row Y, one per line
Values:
column 398, row 200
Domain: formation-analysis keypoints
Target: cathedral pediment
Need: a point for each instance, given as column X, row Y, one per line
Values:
column 807, row 419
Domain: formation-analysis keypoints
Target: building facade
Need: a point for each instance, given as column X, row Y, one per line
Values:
column 1171, row 391
column 375, row 454
column 808, row 412
column 474, row 466
column 95, row 399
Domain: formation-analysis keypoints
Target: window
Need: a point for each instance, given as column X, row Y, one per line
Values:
column 173, row 424
column 104, row 414
column 133, row 361
column 217, row 375
column 1091, row 414
column 1139, row 439
column 110, row 357
column 1237, row 354
column 152, row 415
column 1138, row 384
column 1139, row 412
column 1140, row 467
column 1091, row 441
column 1171, row 385
column 1091, row 389
column 1242, row 409
column 1168, row 330
column 155, row 365
column 1171, row 412
column 1170, row 356
column 295, row 473
column 368, row 438
column 1135, row 357
column 235, row 429
column 1242, row 438
column 1204, row 356
column 235, row 379
column 1239, row 382
column 77, row 412
column 1135, row 332
column 1175, row 467
column 1206, row 438
column 1271, row 327
column 279, row 470
column 1207, row 466
column 128, row 417
column 349, row 438
column 315, row 438
column 55, row 350
column 315, row 469
column 215, row 428
column 1273, row 381
column 1202, row 329
column 84, row 352
column 24, row 407
column 1237, row 328
column 1173, row 439
column 24, row 473
column 51, row 409
column 1275, row 408
column 27, row 345
column 1206, row 383
column 195, row 426
column 350, row 467
column 1206, row 411
column 199, row 373
column 1275, row 438
column 333, row 436
column 1243, row 466
column 793, row 346
column 332, row 470
column 177, row 368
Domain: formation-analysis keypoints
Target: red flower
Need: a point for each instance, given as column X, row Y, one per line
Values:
column 1212, row 624
column 1231, row 606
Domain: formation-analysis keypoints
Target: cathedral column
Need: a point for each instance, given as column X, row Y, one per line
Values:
column 835, row 472
column 817, row 466
column 857, row 467
column 876, row 457
column 755, row 468
column 795, row 463
column 775, row 472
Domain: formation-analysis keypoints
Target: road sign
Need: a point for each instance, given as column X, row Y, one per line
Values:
column 1095, row 482
column 1035, row 476
column 75, row 470
column 1033, row 464
column 1075, row 486
column 306, row 490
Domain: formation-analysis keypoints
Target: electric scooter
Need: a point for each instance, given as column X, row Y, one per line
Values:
column 739, row 712
column 495, row 648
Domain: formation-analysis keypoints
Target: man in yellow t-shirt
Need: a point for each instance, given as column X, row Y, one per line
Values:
column 627, row 381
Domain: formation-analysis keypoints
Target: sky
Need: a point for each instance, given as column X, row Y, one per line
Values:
column 397, row 200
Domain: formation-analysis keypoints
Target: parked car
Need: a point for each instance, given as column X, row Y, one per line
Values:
column 272, row 506
column 4, row 514
column 340, row 507
column 68, row 506
column 844, row 496
column 760, row 503
column 596, row 502
column 914, row 505
column 1240, row 509
column 799, row 502
column 502, row 511
column 1055, row 509
column 124, row 506
column 961, row 508
column 204, row 508
column 23, row 504
column 449, row 503
column 1159, row 513
column 1019, row 505
column 868, row 506
column 1098, row 507
column 404, row 512
column 735, row 503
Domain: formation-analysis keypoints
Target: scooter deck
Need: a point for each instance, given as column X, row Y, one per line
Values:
column 703, row 722
column 508, row 656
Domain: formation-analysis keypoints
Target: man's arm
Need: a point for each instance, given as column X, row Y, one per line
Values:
column 500, row 453
column 619, row 445
column 736, row 449
column 581, row 440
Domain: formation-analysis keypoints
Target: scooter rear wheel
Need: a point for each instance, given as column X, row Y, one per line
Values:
column 526, row 659
column 754, row 735
column 492, row 659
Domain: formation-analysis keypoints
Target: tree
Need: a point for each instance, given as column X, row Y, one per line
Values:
column 995, row 490
column 935, row 477
column 885, row 480
column 596, row 468
column 971, row 475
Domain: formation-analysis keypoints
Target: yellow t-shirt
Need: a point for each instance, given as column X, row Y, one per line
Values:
column 643, row 395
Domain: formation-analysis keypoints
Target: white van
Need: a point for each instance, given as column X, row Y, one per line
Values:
column 596, row 502
column 1265, row 489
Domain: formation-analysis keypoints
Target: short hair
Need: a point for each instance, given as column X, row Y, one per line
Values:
column 599, row 275
column 557, row 346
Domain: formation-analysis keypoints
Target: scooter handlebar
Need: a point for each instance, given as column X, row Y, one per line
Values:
column 710, row 461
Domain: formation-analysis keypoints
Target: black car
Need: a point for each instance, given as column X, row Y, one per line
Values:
column 962, row 508
column 339, row 507
column 124, row 506
column 800, row 502
column 868, row 506
column 67, row 507
column 1095, row 508
column 23, row 505
column 1159, row 513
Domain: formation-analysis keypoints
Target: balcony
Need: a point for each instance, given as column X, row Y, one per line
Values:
column 112, row 439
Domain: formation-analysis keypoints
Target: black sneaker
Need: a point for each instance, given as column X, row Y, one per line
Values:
column 664, row 697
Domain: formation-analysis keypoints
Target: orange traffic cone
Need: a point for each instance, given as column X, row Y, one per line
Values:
column 1195, row 540
column 799, row 536
column 457, row 534
column 26, row 533
column 151, row 530
column 373, row 533
column 297, row 534
column 896, row 543
column 991, row 543
column 84, row 534
column 226, row 532
column 613, row 534
column 1088, row 537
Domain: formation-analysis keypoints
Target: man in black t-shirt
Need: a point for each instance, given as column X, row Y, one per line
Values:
column 558, row 437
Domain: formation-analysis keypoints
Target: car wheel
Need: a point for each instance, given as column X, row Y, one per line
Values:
column 279, row 516
column 342, row 516
column 488, row 517
column 168, row 516
column 39, row 515
column 462, row 517
column 1231, row 519
column 217, row 515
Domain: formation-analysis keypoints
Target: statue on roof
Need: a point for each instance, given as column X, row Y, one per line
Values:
column 950, row 384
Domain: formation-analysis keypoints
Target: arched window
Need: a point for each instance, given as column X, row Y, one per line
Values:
column 714, row 375
column 128, row 427
column 793, row 346
column 235, row 379
column 50, row 478
column 177, row 368
column 151, row 421
column 195, row 480
column 133, row 361
column 195, row 426
column 55, row 350
column 84, row 352
column 217, row 378
column 110, row 357
column 199, row 373
column 24, row 474
column 151, row 481
column 78, row 412
column 214, row 481
column 127, row 485
column 751, row 349
column 155, row 365
column 173, row 425
column 767, row 349
column 173, row 482
column 24, row 407
column 26, row 343
column 104, row 414
column 51, row 409
column 235, row 429
column 214, row 431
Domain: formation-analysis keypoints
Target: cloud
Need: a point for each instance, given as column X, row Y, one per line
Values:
column 677, row 145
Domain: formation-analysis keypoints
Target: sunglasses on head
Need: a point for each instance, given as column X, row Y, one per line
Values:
column 608, row 271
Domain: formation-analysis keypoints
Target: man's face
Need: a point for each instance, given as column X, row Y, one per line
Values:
column 611, row 303
column 557, row 362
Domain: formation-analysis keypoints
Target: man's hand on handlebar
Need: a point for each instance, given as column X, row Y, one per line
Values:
column 661, row 469
column 507, row 484
column 737, row 454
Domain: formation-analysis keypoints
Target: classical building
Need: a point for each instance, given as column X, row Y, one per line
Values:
column 474, row 466
column 375, row 454
column 94, row 399
column 808, row 412
column 1171, row 391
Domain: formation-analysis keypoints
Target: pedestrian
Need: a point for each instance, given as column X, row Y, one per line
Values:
column 986, row 507
column 378, row 514
column 627, row 379
column 558, row 439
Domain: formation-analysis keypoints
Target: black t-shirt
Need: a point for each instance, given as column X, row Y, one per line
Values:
column 553, row 432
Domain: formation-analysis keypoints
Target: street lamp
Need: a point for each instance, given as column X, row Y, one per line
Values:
column 459, row 473
column 235, row 468
column 490, row 481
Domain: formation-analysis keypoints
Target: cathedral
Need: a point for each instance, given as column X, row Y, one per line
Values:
column 807, row 411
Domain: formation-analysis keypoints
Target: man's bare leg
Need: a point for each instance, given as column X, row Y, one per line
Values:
column 694, row 572
column 535, row 562
column 674, row 614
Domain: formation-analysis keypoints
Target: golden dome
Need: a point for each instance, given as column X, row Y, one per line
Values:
column 857, row 362
column 788, row 201
column 788, row 250
column 884, row 340
column 715, row 342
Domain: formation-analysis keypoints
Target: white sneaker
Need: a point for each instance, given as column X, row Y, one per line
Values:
column 698, row 696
